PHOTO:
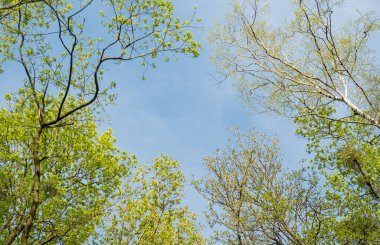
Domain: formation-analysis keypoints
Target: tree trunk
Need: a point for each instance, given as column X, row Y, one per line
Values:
column 36, row 189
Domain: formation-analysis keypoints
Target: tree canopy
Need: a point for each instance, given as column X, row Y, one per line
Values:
column 150, row 210
column 79, row 170
column 324, row 75
column 65, row 181
column 306, row 64
column 59, row 175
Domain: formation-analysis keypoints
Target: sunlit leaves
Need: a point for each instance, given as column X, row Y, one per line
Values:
column 347, row 155
column 80, row 171
column 150, row 210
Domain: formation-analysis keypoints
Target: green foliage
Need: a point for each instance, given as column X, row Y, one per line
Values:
column 253, row 200
column 63, row 48
column 307, row 62
column 348, row 156
column 324, row 75
column 58, row 176
column 149, row 209
column 89, row 189
column 79, row 171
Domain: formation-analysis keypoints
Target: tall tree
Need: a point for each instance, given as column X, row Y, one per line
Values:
column 325, row 75
column 62, row 49
column 78, row 170
column 253, row 200
column 309, row 63
column 89, row 190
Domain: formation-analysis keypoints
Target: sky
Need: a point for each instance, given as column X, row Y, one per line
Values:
column 180, row 110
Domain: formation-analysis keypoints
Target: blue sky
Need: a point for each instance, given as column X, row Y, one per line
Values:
column 181, row 111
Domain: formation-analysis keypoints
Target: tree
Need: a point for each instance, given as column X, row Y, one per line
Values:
column 149, row 210
column 79, row 170
column 62, row 50
column 309, row 63
column 347, row 155
column 325, row 76
column 81, row 175
column 253, row 200
column 89, row 190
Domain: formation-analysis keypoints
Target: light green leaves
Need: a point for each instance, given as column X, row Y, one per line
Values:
column 58, row 175
column 80, row 171
column 150, row 209
column 255, row 201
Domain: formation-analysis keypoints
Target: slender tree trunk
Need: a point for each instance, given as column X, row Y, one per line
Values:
column 14, row 234
column 26, row 225
column 36, row 189
column 240, row 240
